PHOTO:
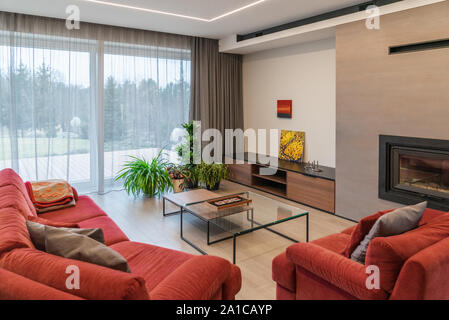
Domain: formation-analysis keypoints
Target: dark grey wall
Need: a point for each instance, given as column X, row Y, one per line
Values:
column 377, row 93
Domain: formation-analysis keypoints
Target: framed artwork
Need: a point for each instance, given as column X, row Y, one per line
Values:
column 285, row 109
column 291, row 146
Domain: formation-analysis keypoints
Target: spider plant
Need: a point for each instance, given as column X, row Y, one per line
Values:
column 150, row 178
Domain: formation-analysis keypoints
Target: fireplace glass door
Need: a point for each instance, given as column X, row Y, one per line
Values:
column 425, row 172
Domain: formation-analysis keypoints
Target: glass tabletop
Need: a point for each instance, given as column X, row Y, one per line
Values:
column 262, row 212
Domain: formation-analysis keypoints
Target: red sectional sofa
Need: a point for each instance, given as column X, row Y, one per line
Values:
column 412, row 266
column 157, row 273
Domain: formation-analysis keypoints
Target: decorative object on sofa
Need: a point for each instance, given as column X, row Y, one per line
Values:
column 50, row 195
column 185, row 152
column 291, row 146
column 177, row 178
column 284, row 109
column 211, row 174
column 37, row 233
column 150, row 178
column 81, row 247
column 393, row 223
column 228, row 202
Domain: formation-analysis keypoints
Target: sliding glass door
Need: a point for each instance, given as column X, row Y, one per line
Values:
column 46, row 103
column 146, row 97
column 55, row 90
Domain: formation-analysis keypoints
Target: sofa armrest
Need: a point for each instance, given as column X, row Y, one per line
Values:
column 424, row 276
column 334, row 268
column 199, row 278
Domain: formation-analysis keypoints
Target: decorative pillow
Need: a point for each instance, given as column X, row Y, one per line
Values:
column 361, row 230
column 393, row 223
column 391, row 253
column 75, row 246
column 38, row 233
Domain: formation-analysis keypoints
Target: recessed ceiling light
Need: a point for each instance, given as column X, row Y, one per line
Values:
column 114, row 4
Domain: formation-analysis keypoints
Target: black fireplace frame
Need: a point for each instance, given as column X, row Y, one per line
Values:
column 386, row 143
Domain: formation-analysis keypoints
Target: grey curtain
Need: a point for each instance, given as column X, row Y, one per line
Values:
column 216, row 86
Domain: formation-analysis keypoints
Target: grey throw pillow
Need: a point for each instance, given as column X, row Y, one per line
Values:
column 393, row 223
column 80, row 247
column 37, row 233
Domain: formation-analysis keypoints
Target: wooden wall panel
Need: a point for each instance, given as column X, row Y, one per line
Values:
column 377, row 93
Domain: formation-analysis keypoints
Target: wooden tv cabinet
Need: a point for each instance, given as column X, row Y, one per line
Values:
column 291, row 181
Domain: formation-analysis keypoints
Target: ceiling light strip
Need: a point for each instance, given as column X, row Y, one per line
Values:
column 237, row 10
column 114, row 4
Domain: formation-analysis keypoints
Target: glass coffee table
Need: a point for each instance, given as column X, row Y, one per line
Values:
column 261, row 213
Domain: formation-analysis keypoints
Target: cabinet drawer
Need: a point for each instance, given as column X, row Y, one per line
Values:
column 316, row 192
column 240, row 173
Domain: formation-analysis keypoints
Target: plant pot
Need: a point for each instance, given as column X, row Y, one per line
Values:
column 215, row 187
column 190, row 185
column 178, row 185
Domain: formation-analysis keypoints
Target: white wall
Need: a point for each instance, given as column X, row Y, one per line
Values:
column 302, row 73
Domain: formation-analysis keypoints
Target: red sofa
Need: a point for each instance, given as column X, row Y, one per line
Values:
column 157, row 273
column 412, row 266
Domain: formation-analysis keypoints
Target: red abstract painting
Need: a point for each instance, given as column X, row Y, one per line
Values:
column 285, row 109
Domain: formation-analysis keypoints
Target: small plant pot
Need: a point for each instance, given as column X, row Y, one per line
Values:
column 178, row 185
column 190, row 185
column 215, row 187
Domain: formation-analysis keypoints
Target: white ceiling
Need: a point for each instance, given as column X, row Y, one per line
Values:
column 263, row 15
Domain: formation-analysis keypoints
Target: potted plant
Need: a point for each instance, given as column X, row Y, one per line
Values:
column 185, row 153
column 150, row 178
column 191, row 175
column 212, row 174
column 177, row 178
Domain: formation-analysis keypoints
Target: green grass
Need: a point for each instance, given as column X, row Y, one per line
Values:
column 56, row 146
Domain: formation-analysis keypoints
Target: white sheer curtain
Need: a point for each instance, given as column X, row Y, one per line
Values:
column 146, row 97
column 75, row 103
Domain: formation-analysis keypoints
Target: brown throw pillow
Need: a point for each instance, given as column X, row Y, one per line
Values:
column 393, row 223
column 76, row 246
column 37, row 233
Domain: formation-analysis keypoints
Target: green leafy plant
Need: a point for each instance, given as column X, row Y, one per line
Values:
column 212, row 174
column 185, row 152
column 191, row 173
column 150, row 178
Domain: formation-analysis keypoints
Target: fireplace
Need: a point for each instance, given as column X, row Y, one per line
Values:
column 413, row 170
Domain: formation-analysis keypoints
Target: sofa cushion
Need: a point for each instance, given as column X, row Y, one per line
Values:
column 38, row 233
column 393, row 223
column 390, row 253
column 9, row 177
column 112, row 233
column 360, row 231
column 83, row 247
column 364, row 226
column 152, row 263
column 95, row 282
column 13, row 230
column 53, row 223
column 10, row 197
column 85, row 209
column 16, row 287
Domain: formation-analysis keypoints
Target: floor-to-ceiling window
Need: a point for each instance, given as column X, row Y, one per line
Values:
column 53, row 90
column 146, row 96
column 46, row 101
